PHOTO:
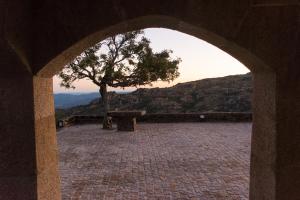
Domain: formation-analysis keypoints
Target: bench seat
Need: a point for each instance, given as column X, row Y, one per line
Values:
column 126, row 120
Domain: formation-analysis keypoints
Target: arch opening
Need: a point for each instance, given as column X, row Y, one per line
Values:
column 228, row 129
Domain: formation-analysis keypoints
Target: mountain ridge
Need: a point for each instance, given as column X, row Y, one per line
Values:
column 224, row 94
column 68, row 100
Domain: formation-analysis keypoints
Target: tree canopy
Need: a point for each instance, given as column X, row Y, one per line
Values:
column 123, row 60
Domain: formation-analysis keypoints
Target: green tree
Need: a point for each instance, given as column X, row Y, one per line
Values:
column 124, row 60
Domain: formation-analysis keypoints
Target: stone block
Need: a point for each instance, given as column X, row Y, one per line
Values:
column 126, row 120
column 126, row 124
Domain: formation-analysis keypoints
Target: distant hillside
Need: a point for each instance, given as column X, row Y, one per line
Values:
column 225, row 94
column 64, row 100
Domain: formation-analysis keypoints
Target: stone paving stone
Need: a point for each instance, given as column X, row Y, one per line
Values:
column 158, row 161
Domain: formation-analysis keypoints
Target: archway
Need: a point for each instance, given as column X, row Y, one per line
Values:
column 263, row 76
column 254, row 31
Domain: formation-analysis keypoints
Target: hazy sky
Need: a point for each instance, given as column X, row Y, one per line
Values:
column 199, row 60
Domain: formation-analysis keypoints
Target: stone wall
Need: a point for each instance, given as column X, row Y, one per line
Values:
column 196, row 117
column 165, row 118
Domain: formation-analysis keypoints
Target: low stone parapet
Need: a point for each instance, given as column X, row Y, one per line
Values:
column 197, row 117
column 165, row 118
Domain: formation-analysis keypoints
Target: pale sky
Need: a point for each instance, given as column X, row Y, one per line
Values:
column 199, row 60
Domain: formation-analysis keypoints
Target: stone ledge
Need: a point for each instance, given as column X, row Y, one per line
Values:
column 134, row 113
column 165, row 118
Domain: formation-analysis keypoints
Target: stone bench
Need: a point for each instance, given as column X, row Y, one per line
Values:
column 126, row 120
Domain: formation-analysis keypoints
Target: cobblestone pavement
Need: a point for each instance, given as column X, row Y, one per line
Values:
column 158, row 161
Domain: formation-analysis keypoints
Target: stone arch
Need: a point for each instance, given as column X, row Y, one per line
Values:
column 250, row 60
column 264, row 83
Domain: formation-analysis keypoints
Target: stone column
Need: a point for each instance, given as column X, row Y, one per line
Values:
column 263, row 141
column 275, row 150
column 28, row 149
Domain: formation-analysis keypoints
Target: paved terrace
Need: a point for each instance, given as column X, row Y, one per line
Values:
column 159, row 161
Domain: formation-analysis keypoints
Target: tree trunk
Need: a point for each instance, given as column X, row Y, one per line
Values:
column 107, row 123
